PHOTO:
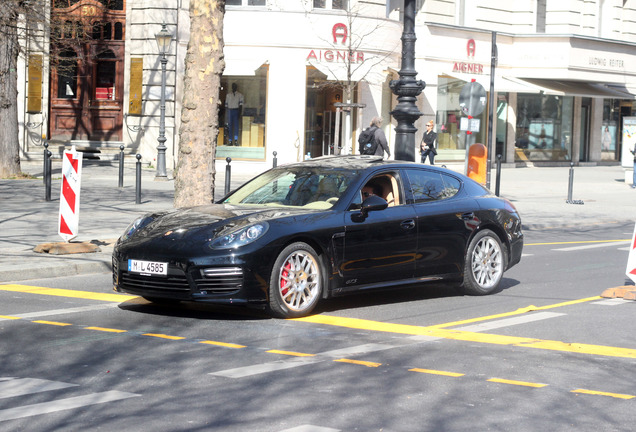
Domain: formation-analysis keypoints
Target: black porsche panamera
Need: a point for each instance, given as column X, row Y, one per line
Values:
column 302, row 232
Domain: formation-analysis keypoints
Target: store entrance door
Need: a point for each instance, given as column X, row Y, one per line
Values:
column 321, row 123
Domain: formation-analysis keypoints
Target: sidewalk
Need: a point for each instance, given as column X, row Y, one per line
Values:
column 27, row 220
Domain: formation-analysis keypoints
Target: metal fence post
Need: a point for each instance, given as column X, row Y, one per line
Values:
column 121, row 166
column 571, row 186
column 45, row 162
column 275, row 161
column 228, row 175
column 47, row 176
column 498, row 175
column 138, row 181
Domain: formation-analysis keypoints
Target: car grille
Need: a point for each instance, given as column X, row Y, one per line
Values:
column 224, row 280
column 176, row 283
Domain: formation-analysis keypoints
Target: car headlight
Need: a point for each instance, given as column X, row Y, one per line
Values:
column 240, row 237
column 135, row 226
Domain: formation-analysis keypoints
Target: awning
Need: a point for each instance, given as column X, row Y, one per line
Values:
column 577, row 88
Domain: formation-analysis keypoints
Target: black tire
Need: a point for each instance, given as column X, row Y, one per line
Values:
column 296, row 281
column 484, row 264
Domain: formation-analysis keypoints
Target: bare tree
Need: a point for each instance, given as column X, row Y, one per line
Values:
column 10, row 11
column 194, row 176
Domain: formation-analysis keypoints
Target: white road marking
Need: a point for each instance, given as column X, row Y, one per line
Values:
column 592, row 246
column 246, row 371
column 523, row 319
column 67, row 310
column 612, row 302
column 24, row 386
column 63, row 404
column 310, row 428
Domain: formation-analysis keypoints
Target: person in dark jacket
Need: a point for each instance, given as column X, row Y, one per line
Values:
column 429, row 141
column 380, row 138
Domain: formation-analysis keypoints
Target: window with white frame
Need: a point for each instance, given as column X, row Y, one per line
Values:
column 331, row 4
column 245, row 2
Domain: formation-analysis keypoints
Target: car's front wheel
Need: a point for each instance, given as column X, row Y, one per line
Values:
column 296, row 282
column 484, row 264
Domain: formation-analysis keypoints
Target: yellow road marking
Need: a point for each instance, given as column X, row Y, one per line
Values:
column 223, row 344
column 575, row 242
column 359, row 362
column 163, row 336
column 436, row 372
column 519, row 311
column 440, row 332
column 110, row 330
column 290, row 353
column 598, row 393
column 52, row 323
column 59, row 292
column 9, row 317
column 519, row 383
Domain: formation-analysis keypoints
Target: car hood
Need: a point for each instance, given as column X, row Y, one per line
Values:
column 211, row 220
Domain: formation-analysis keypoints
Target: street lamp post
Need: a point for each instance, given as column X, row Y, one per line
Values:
column 407, row 88
column 163, row 38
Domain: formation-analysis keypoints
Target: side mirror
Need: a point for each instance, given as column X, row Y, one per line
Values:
column 373, row 203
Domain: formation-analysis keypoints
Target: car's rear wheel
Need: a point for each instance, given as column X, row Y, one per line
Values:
column 484, row 264
column 296, row 281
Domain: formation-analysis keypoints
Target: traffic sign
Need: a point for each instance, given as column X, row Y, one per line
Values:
column 70, row 194
column 631, row 260
column 472, row 99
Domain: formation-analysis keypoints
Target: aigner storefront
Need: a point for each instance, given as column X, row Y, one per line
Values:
column 558, row 99
column 279, row 92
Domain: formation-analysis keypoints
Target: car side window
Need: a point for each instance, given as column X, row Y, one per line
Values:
column 431, row 186
column 385, row 185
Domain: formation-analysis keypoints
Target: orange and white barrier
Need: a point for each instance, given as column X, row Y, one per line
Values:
column 70, row 194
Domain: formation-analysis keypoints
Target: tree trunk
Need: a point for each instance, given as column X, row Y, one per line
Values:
column 9, row 48
column 194, row 176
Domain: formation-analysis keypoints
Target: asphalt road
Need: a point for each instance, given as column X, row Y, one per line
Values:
column 545, row 353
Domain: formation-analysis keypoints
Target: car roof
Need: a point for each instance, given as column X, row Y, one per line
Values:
column 353, row 162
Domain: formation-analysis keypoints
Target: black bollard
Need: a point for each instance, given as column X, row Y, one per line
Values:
column 47, row 176
column 121, row 166
column 228, row 175
column 45, row 162
column 498, row 175
column 138, row 181
column 275, row 161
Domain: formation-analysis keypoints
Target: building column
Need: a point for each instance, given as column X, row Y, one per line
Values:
column 596, row 123
column 576, row 131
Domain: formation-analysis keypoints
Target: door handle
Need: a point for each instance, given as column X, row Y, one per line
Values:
column 408, row 224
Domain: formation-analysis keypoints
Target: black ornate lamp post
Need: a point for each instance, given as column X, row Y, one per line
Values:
column 164, row 38
column 407, row 88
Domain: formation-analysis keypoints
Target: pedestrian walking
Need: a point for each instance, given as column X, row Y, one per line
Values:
column 429, row 141
column 373, row 140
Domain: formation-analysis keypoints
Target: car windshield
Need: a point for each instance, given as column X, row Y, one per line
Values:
column 294, row 187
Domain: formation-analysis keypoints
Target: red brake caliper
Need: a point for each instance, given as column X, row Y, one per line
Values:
column 283, row 281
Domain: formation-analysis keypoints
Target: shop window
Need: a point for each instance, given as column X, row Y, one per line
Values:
column 448, row 123
column 67, row 75
column 544, row 127
column 610, row 128
column 242, row 116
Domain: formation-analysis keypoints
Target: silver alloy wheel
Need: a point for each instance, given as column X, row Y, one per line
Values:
column 487, row 262
column 299, row 281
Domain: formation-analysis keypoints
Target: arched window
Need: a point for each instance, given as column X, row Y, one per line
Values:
column 119, row 31
column 67, row 75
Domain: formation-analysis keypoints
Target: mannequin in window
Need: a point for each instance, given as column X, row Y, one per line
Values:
column 233, row 111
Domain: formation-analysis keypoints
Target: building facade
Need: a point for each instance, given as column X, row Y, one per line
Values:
column 312, row 73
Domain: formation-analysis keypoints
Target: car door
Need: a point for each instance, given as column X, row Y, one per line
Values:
column 445, row 220
column 380, row 247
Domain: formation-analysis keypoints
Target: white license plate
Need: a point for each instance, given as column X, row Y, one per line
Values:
column 148, row 267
